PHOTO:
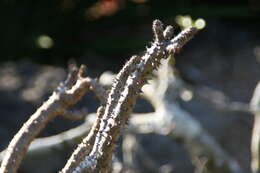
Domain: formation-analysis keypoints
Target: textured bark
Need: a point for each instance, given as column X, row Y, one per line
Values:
column 125, row 89
column 68, row 93
column 94, row 154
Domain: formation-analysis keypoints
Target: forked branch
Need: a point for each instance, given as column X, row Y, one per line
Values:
column 125, row 89
column 68, row 93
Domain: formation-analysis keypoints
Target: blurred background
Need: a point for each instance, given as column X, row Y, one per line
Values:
column 38, row 38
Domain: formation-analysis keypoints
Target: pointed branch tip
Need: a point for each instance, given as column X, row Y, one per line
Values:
column 158, row 30
column 82, row 70
column 168, row 32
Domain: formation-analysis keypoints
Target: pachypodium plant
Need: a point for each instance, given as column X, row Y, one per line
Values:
column 113, row 116
column 95, row 152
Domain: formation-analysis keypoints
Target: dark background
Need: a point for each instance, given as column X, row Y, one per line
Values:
column 116, row 31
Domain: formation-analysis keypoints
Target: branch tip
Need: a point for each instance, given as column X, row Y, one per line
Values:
column 168, row 32
column 181, row 39
column 158, row 30
column 82, row 71
column 72, row 65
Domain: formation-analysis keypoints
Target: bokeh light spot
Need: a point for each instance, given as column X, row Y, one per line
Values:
column 183, row 21
column 44, row 42
column 200, row 23
column 186, row 22
column 186, row 95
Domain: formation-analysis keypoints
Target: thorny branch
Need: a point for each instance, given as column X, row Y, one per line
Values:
column 125, row 89
column 54, row 146
column 171, row 120
column 153, row 123
column 95, row 152
column 68, row 93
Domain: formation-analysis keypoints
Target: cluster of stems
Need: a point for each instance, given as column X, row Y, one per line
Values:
column 94, row 154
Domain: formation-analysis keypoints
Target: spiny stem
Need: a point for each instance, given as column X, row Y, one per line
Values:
column 122, row 97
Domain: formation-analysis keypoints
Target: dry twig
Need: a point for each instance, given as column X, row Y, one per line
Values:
column 68, row 93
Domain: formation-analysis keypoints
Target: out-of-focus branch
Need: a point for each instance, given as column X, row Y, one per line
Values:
column 171, row 120
column 255, row 145
column 215, row 98
column 255, row 142
column 220, row 101
column 49, row 145
column 75, row 114
column 179, row 125
column 68, row 93
column 122, row 97
column 53, row 149
column 130, row 146
column 168, row 119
